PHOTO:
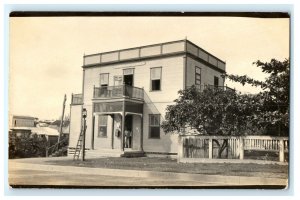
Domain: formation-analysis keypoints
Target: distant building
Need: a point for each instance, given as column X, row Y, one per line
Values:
column 23, row 121
column 49, row 133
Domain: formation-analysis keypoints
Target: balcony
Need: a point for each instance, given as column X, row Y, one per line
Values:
column 213, row 87
column 76, row 99
column 122, row 91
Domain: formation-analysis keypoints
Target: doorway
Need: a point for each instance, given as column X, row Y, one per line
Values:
column 128, row 131
column 128, row 79
column 128, row 83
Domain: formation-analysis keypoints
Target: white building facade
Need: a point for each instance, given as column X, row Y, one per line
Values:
column 126, row 92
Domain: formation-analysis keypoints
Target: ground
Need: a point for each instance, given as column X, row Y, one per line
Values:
column 171, row 165
column 142, row 172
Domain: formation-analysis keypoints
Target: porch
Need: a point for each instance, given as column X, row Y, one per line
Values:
column 117, row 121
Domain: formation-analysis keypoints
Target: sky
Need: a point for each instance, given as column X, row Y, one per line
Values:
column 46, row 53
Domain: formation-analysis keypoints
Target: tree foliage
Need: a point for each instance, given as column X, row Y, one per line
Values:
column 274, row 115
column 212, row 112
column 27, row 146
column 223, row 112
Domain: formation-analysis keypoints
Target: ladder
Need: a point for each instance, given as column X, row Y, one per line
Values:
column 78, row 146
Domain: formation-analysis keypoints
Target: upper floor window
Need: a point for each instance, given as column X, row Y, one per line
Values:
column 154, row 126
column 197, row 75
column 155, row 78
column 216, row 81
column 104, row 79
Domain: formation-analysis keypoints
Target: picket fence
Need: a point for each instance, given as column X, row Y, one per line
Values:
column 193, row 147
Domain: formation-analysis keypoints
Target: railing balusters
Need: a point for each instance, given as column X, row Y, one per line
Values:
column 119, row 92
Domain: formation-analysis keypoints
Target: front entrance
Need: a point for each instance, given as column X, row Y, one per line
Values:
column 128, row 132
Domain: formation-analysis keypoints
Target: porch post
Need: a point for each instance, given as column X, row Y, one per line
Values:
column 141, row 137
column 123, row 126
column 93, row 132
column 112, row 130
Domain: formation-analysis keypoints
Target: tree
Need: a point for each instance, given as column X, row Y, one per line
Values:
column 213, row 112
column 274, row 115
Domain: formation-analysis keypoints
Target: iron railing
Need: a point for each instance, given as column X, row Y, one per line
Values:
column 213, row 87
column 77, row 99
column 120, row 91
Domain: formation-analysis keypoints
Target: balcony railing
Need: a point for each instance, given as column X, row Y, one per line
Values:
column 213, row 87
column 221, row 88
column 76, row 99
column 121, row 91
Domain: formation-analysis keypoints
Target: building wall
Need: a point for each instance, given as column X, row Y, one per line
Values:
column 155, row 101
column 103, row 142
column 75, row 124
column 22, row 121
column 207, row 73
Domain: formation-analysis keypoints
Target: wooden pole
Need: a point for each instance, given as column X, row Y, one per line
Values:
column 210, row 148
column 281, row 150
column 241, row 149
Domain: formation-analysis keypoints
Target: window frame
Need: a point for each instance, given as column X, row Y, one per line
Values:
column 104, row 85
column 216, row 78
column 196, row 67
column 100, row 125
column 160, row 88
column 149, row 129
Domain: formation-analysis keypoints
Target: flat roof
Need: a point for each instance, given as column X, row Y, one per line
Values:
column 154, row 51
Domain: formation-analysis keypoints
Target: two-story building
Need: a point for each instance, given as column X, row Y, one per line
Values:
column 126, row 92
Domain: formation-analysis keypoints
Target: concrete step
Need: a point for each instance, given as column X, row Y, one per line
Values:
column 98, row 153
column 133, row 154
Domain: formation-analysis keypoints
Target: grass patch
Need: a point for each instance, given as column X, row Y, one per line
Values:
column 171, row 165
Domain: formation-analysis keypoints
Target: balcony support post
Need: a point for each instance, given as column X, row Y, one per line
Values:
column 123, row 126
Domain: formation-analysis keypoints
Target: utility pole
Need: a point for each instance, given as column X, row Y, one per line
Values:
column 62, row 119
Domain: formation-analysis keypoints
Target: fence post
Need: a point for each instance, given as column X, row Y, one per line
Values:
column 281, row 150
column 241, row 149
column 180, row 148
column 210, row 148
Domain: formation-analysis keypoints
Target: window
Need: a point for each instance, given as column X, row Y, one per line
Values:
column 104, row 80
column 216, row 81
column 197, row 75
column 154, row 126
column 102, row 126
column 155, row 77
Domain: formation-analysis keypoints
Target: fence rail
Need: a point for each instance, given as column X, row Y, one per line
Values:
column 121, row 91
column 229, row 147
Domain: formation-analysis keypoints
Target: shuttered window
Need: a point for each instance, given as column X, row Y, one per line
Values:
column 154, row 126
column 155, row 78
column 104, row 79
column 197, row 76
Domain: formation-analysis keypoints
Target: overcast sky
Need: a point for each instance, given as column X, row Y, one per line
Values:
column 46, row 54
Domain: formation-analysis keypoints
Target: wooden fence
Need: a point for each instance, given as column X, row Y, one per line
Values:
column 199, row 147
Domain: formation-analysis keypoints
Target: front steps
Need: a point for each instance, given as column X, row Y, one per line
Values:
column 105, row 153
column 132, row 154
